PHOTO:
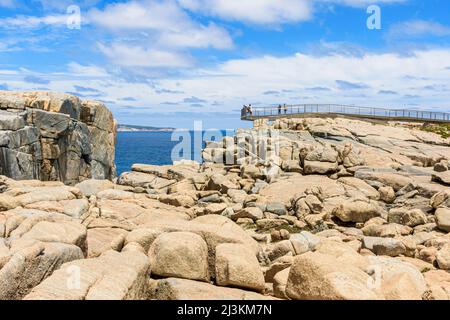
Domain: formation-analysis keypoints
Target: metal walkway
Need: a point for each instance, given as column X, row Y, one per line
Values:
column 335, row 110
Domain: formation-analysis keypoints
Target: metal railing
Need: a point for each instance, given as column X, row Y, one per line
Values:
column 337, row 109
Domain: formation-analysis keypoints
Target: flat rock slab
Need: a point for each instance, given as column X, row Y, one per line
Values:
column 112, row 276
column 284, row 190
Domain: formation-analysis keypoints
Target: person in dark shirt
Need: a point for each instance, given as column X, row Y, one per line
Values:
column 244, row 111
column 279, row 109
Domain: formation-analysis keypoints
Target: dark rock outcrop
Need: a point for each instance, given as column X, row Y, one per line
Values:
column 50, row 137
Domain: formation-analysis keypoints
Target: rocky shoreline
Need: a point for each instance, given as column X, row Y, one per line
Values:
column 297, row 209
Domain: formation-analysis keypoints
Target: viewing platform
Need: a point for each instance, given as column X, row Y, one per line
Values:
column 336, row 110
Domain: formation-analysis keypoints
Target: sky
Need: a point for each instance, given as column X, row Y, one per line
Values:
column 174, row 62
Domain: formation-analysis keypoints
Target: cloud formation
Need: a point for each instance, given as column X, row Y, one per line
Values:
column 418, row 28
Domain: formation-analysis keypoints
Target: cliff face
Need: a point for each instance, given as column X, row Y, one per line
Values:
column 55, row 137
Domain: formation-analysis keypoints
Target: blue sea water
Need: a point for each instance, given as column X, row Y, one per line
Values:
column 155, row 148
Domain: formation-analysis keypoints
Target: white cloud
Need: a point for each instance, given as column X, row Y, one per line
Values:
column 240, row 81
column 272, row 12
column 202, row 37
column 33, row 22
column 87, row 71
column 170, row 25
column 154, row 34
column 136, row 56
column 143, row 15
column 251, row 11
column 417, row 28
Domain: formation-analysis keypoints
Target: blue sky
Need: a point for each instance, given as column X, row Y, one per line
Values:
column 171, row 62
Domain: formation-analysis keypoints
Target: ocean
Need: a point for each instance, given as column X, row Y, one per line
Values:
column 156, row 147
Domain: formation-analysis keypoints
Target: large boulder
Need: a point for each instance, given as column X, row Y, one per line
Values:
column 358, row 210
column 407, row 217
column 443, row 257
column 441, row 199
column 317, row 276
column 397, row 280
column 254, row 213
column 221, row 183
column 180, row 254
column 64, row 232
column 237, row 266
column 443, row 219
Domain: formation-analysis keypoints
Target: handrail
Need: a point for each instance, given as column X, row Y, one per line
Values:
column 341, row 109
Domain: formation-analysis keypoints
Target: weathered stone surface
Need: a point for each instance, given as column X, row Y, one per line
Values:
column 304, row 242
column 387, row 194
column 92, row 187
column 53, row 138
column 358, row 184
column 8, row 202
column 74, row 208
column 441, row 199
column 443, row 257
column 394, row 180
column 112, row 276
column 102, row 130
column 277, row 266
column 443, row 219
column 30, row 262
column 101, row 240
column 397, row 280
column 407, row 217
column 237, row 266
column 387, row 247
column 180, row 254
column 358, row 211
column 221, row 183
column 253, row 213
column 11, row 121
column 442, row 177
column 438, row 283
column 317, row 276
column 67, row 232
column 285, row 190
column 276, row 208
column 177, row 200
column 181, row 289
